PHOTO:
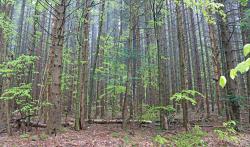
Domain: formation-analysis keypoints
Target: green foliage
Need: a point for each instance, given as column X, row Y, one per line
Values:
column 160, row 140
column 190, row 139
column 21, row 91
column 20, row 94
column 242, row 67
column 207, row 7
column 241, row 100
column 43, row 136
column 245, row 21
column 2, row 2
column 34, row 138
column 152, row 112
column 127, row 139
column 24, row 136
column 228, row 134
column 186, row 95
column 115, row 134
column 7, row 26
column 17, row 67
column 243, row 2
column 223, row 81
column 246, row 49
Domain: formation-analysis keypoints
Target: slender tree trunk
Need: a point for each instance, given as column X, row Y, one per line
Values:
column 198, row 81
column 216, row 63
column 20, row 29
column 182, row 59
column 100, row 28
column 84, row 74
column 5, row 9
column 129, row 62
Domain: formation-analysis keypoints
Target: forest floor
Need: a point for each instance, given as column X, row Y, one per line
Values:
column 108, row 136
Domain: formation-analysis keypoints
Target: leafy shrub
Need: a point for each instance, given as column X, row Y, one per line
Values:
column 190, row 139
column 152, row 112
column 43, row 136
column 160, row 140
column 115, row 134
column 186, row 95
column 229, row 134
column 126, row 139
column 24, row 136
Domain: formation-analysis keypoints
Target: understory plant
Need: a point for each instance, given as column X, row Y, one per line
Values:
column 228, row 133
column 189, row 139
column 184, row 97
column 160, row 140
column 17, row 90
column 152, row 112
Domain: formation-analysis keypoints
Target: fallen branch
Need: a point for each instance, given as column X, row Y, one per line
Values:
column 116, row 121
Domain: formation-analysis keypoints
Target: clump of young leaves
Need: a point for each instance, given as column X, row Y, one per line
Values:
column 20, row 94
column 18, row 67
column 24, row 136
column 152, row 112
column 242, row 67
column 190, row 139
column 22, row 97
column 229, row 133
column 207, row 7
column 7, row 26
column 186, row 95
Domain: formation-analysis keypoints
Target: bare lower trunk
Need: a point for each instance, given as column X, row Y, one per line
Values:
column 55, row 68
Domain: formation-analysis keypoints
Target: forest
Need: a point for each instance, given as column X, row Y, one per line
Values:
column 125, row 73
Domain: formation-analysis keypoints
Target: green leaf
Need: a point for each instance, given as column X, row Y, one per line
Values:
column 246, row 49
column 223, row 81
column 233, row 73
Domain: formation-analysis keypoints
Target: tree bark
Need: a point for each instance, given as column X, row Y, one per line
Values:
column 55, row 67
column 182, row 60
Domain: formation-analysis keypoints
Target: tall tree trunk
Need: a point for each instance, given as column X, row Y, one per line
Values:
column 182, row 59
column 5, row 9
column 216, row 63
column 55, row 67
column 198, row 81
column 230, row 63
column 129, row 62
column 84, row 80
column 100, row 28
column 20, row 29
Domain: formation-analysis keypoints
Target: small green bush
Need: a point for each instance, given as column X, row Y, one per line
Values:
column 160, row 140
column 127, row 139
column 228, row 134
column 115, row 134
column 24, row 136
column 43, row 136
column 190, row 139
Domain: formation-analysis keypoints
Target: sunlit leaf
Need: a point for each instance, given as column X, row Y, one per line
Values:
column 246, row 49
column 223, row 81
